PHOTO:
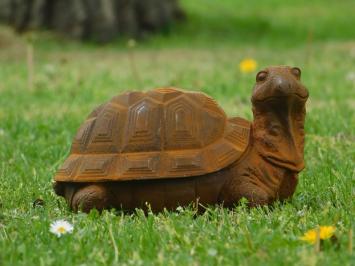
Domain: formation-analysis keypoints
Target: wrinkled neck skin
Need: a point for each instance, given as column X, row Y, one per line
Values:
column 277, row 180
column 268, row 169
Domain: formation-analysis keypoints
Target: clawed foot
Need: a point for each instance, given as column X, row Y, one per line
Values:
column 255, row 195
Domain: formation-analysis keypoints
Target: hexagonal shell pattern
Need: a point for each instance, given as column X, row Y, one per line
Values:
column 163, row 133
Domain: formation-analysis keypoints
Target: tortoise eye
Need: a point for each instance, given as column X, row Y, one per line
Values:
column 261, row 76
column 296, row 72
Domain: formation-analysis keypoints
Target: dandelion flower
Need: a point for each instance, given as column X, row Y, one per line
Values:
column 248, row 65
column 325, row 232
column 61, row 227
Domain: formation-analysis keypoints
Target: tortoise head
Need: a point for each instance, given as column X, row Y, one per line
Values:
column 279, row 111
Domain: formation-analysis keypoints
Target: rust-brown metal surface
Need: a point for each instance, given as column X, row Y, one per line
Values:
column 163, row 133
column 169, row 147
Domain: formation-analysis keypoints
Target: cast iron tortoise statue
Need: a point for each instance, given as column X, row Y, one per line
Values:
column 169, row 147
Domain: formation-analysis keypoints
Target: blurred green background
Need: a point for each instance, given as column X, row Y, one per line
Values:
column 39, row 118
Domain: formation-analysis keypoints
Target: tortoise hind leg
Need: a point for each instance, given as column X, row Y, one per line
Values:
column 91, row 196
column 65, row 190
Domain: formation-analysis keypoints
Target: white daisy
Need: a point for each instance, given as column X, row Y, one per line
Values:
column 61, row 227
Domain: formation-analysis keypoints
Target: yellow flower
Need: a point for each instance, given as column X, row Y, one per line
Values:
column 325, row 232
column 248, row 65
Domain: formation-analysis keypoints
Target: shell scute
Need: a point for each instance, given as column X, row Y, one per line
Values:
column 95, row 166
column 180, row 128
column 139, row 165
column 143, row 127
column 192, row 162
column 81, row 138
column 164, row 94
column 68, row 168
column 106, row 137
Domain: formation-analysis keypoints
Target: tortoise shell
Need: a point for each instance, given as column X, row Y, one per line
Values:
column 163, row 133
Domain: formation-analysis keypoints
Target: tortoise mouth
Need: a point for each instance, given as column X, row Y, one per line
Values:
column 297, row 96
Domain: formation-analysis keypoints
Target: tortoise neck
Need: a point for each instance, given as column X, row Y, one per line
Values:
column 278, row 134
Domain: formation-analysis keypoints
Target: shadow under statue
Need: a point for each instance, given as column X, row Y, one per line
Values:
column 170, row 148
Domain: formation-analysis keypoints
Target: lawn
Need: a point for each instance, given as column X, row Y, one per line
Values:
column 37, row 125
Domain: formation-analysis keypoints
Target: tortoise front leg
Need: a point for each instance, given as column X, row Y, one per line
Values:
column 255, row 195
column 88, row 197
column 234, row 191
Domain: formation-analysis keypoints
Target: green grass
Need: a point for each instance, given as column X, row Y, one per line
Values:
column 36, row 129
